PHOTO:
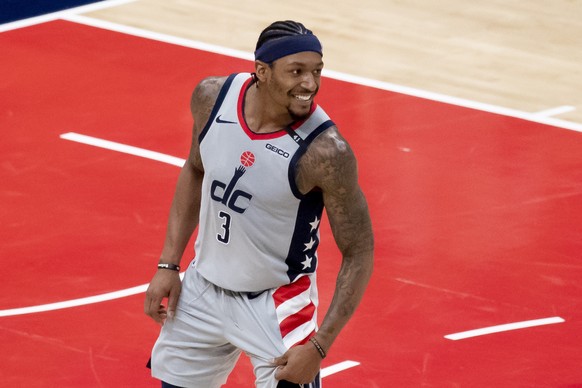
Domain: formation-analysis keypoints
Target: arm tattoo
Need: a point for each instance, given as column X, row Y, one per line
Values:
column 330, row 165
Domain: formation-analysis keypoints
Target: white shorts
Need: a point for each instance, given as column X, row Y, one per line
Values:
column 212, row 326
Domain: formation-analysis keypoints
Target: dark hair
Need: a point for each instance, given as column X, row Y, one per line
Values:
column 281, row 29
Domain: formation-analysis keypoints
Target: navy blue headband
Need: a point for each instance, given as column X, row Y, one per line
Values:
column 293, row 44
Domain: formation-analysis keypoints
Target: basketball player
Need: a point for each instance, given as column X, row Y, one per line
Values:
column 264, row 162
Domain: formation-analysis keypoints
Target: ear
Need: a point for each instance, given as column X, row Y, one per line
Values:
column 261, row 69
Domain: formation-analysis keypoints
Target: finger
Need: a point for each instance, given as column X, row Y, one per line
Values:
column 172, row 303
column 152, row 305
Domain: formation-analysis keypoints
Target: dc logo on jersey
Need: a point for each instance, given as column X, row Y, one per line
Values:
column 236, row 200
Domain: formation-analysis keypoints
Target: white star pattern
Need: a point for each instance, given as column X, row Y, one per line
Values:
column 307, row 262
column 309, row 245
column 314, row 224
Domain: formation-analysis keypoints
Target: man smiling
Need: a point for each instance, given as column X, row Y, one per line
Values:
column 265, row 161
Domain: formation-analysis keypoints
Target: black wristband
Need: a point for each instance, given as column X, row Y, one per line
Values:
column 173, row 267
column 318, row 347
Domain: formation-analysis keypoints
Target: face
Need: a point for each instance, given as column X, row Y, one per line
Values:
column 293, row 81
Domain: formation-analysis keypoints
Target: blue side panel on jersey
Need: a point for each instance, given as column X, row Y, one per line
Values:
column 12, row 10
column 302, row 256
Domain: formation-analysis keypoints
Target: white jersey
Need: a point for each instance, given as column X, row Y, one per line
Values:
column 256, row 230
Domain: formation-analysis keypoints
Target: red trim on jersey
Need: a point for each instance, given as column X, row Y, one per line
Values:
column 262, row 136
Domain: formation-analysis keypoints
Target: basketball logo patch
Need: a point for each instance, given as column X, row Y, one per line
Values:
column 247, row 159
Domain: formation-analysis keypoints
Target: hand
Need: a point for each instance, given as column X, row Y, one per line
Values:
column 165, row 284
column 299, row 365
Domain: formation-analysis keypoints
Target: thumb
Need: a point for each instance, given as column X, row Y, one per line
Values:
column 280, row 362
column 280, row 373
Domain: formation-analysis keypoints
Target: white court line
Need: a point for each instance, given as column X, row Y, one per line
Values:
column 506, row 327
column 330, row 370
column 49, row 17
column 528, row 116
column 555, row 111
column 126, row 149
column 72, row 15
column 74, row 302
column 151, row 35
column 110, row 145
column 77, row 302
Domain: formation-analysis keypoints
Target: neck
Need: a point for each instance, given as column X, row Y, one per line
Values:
column 260, row 114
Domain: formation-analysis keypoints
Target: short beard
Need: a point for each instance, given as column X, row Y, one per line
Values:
column 298, row 117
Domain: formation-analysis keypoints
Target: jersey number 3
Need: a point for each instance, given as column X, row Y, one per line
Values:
column 224, row 237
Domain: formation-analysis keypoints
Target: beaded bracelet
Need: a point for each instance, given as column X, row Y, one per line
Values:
column 318, row 347
column 173, row 267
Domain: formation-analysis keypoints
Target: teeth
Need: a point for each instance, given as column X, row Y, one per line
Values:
column 303, row 97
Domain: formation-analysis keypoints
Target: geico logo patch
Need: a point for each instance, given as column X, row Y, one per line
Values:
column 276, row 150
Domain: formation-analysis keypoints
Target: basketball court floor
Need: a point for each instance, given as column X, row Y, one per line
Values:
column 477, row 213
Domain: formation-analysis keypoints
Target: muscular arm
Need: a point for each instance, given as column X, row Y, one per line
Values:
column 185, row 209
column 330, row 166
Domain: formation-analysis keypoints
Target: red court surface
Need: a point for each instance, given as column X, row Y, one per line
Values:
column 477, row 216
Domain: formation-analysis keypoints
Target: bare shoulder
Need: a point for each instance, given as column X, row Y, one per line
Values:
column 328, row 164
column 204, row 97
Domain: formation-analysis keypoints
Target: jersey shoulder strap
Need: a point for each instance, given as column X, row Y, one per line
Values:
column 234, row 82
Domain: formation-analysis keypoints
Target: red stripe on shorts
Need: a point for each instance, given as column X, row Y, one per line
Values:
column 295, row 320
column 289, row 291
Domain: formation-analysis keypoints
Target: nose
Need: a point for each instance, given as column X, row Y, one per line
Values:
column 309, row 83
